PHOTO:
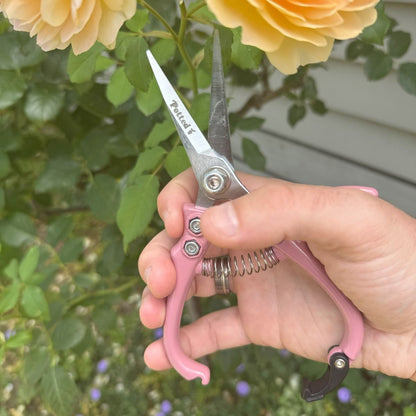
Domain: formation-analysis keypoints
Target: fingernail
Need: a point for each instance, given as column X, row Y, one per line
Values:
column 224, row 218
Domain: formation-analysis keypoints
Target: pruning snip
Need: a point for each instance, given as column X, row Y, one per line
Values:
column 211, row 161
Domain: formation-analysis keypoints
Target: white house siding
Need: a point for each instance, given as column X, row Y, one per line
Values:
column 368, row 136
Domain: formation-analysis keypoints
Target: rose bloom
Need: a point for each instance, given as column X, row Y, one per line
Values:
column 58, row 23
column 295, row 32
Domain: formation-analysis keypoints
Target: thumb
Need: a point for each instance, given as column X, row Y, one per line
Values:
column 280, row 211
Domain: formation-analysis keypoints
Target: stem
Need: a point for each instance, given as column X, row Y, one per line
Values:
column 195, row 8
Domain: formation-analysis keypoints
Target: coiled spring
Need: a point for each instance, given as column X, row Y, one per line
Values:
column 249, row 263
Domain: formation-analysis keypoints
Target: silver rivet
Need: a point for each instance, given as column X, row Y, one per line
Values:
column 339, row 363
column 216, row 180
column 191, row 248
column 195, row 225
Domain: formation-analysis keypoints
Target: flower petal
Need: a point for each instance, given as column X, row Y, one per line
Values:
column 55, row 12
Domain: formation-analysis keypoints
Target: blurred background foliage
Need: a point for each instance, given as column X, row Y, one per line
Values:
column 85, row 147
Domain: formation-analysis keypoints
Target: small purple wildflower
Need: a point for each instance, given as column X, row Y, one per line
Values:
column 284, row 353
column 9, row 333
column 242, row 388
column 95, row 394
column 102, row 366
column 158, row 333
column 344, row 394
column 240, row 369
column 166, row 407
column 160, row 414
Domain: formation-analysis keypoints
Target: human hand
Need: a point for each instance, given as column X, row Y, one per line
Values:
column 366, row 245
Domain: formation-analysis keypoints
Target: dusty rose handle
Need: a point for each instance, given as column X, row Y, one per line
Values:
column 186, row 255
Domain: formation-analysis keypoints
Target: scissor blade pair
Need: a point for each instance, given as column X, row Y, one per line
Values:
column 192, row 138
column 218, row 128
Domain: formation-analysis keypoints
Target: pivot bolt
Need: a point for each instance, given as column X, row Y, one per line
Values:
column 216, row 180
column 339, row 363
column 191, row 248
column 195, row 225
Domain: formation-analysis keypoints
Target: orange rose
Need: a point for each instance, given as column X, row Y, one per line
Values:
column 59, row 23
column 295, row 32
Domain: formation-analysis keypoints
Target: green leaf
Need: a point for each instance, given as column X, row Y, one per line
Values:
column 103, row 198
column 250, row 123
column 148, row 102
column 318, row 107
column 93, row 147
column 59, row 230
column 34, row 303
column 244, row 56
column 18, row 50
column 146, row 161
column 296, row 113
column 138, row 21
column 253, row 155
column 35, row 363
column 17, row 229
column 398, row 43
column 177, row 161
column 137, row 67
column 12, row 270
column 28, row 264
column 309, row 90
column 5, row 166
column 163, row 50
column 43, row 103
column 407, row 77
column 2, row 199
column 20, row 339
column 200, row 110
column 81, row 67
column 377, row 65
column 59, row 392
column 59, row 174
column 377, row 31
column 71, row 250
column 68, row 333
column 12, row 88
column 160, row 132
column 358, row 48
column 138, row 204
column 113, row 257
column 9, row 297
column 119, row 89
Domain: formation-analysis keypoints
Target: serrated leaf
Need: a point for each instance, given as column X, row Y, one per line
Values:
column 93, row 147
column 148, row 102
column 163, row 50
column 71, row 250
column 17, row 229
column 12, row 270
column 59, row 229
column 137, row 66
column 244, row 56
column 34, row 303
column 146, row 161
column 59, row 392
column 81, row 67
column 377, row 65
column 28, row 264
column 177, row 161
column 378, row 30
column 68, row 333
column 9, row 297
column 253, row 155
column 398, row 43
column 43, row 103
column 12, row 88
column 296, row 113
column 35, row 363
column 103, row 198
column 119, row 89
column 138, row 204
column 407, row 77
column 318, row 107
column 138, row 21
column 59, row 174
column 20, row 339
column 358, row 48
column 159, row 133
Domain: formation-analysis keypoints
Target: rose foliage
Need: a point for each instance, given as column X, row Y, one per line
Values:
column 85, row 147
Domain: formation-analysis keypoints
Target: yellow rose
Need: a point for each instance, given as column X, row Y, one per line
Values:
column 295, row 32
column 59, row 23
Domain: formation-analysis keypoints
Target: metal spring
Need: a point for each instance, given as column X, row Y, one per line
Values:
column 249, row 263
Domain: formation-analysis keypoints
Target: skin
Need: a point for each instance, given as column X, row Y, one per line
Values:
column 368, row 249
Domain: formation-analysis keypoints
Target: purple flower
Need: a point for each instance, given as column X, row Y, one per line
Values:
column 102, row 366
column 240, row 369
column 284, row 353
column 160, row 414
column 9, row 333
column 344, row 394
column 242, row 388
column 158, row 333
column 166, row 407
column 95, row 394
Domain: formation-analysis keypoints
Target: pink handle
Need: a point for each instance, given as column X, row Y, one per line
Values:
column 185, row 266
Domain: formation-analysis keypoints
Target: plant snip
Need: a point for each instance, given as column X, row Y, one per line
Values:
column 85, row 147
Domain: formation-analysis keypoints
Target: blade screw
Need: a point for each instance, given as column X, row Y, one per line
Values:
column 195, row 225
column 216, row 180
column 339, row 363
column 191, row 248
